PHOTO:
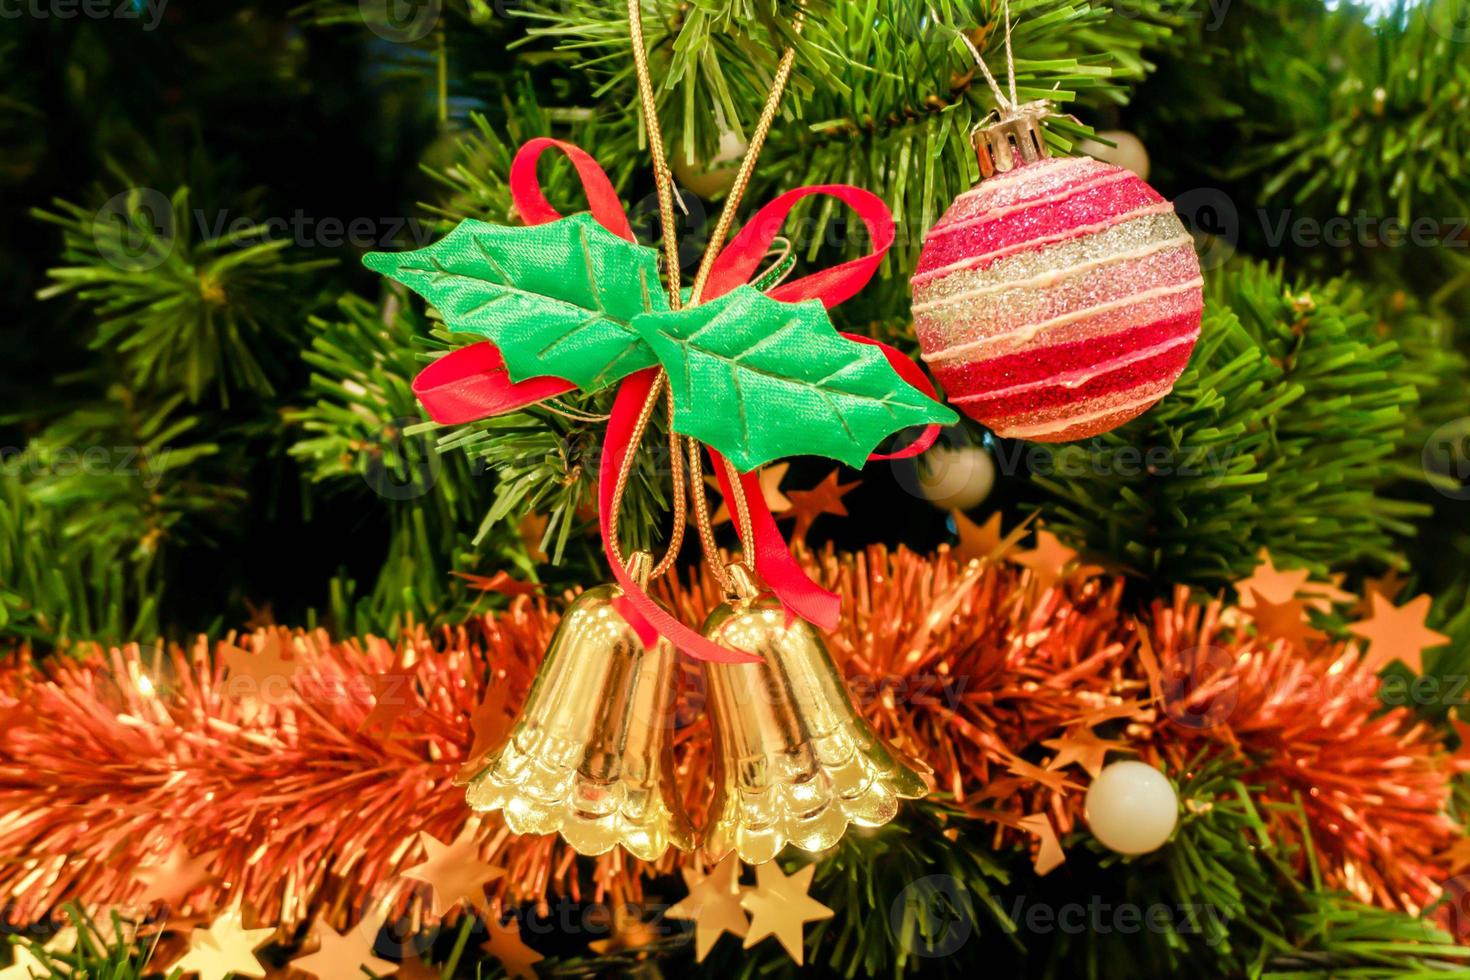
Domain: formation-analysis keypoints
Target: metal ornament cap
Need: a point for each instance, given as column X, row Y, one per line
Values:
column 1011, row 139
column 590, row 756
column 794, row 761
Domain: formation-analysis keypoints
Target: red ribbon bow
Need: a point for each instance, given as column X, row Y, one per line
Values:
column 473, row 382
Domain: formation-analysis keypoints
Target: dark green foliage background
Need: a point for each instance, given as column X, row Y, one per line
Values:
column 264, row 456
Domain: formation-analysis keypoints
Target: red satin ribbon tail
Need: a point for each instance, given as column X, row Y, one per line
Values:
column 914, row 375
column 645, row 615
column 774, row 563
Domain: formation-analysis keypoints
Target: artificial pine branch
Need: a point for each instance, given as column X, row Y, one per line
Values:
column 179, row 312
column 95, row 500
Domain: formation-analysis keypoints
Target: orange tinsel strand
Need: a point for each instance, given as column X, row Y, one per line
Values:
column 314, row 782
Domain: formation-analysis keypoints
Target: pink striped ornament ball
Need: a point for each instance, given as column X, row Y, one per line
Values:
column 1058, row 300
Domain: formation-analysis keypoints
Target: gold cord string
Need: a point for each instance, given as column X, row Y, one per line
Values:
column 742, row 177
column 681, row 509
column 738, row 505
column 663, row 180
column 621, row 486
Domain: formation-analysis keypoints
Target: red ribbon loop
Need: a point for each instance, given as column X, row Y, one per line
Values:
column 774, row 563
column 534, row 209
column 910, row 372
column 737, row 262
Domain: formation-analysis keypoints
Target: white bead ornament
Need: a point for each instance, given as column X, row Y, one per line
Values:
column 956, row 477
column 1131, row 808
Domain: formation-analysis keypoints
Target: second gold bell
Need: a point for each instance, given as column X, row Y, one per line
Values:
column 794, row 761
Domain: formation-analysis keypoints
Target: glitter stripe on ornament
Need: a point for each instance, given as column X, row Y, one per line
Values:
column 985, row 211
column 1079, row 376
column 1081, row 233
column 1188, row 296
column 1063, row 426
column 1064, row 359
column 1069, row 422
column 1129, row 234
column 1038, row 224
column 981, row 282
column 1003, row 408
column 1041, row 178
column 998, row 312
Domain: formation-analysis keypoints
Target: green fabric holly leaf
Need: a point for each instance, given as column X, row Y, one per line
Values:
column 760, row 379
column 557, row 299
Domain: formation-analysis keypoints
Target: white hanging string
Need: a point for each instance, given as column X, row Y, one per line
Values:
column 1007, row 105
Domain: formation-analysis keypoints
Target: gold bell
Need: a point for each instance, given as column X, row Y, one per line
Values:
column 793, row 760
column 591, row 754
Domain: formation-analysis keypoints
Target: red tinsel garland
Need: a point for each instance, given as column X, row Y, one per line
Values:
column 313, row 789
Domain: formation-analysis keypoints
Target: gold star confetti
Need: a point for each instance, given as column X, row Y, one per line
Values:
column 1047, row 559
column 824, row 498
column 490, row 723
column 1055, row 781
column 1280, row 586
column 502, row 582
column 393, row 697
column 225, row 947
column 770, row 480
column 1084, row 748
column 25, row 964
column 780, row 906
column 1050, row 854
column 267, row 665
column 713, row 903
column 1322, row 595
column 1285, row 620
column 1273, row 584
column 343, row 956
column 506, row 946
column 977, row 541
column 176, row 877
column 1388, row 585
column 454, row 871
column 629, row 932
column 1456, row 856
column 261, row 677
column 1398, row 633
